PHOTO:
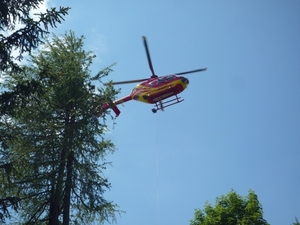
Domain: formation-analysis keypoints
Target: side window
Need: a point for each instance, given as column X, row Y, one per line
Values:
column 161, row 79
column 170, row 78
column 153, row 83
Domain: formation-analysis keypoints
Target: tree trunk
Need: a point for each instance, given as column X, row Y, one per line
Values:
column 54, row 210
column 54, row 213
column 68, row 188
column 68, row 183
column 55, row 204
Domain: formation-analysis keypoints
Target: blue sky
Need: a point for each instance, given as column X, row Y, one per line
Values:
column 238, row 127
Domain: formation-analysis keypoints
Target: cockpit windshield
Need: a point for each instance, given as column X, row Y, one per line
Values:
column 161, row 80
column 153, row 83
column 170, row 77
column 166, row 78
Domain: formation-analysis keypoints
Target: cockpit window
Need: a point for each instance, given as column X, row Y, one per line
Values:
column 161, row 79
column 170, row 77
column 153, row 83
column 166, row 78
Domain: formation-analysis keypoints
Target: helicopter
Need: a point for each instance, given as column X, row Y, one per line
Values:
column 162, row 91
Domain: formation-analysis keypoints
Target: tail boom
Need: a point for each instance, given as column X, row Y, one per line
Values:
column 113, row 106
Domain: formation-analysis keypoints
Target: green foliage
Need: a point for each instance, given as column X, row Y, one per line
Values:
column 29, row 36
column 231, row 209
column 296, row 222
column 53, row 148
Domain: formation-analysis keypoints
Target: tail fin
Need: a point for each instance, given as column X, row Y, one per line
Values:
column 115, row 109
column 107, row 106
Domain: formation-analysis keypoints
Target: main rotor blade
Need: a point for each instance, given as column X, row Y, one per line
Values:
column 148, row 56
column 127, row 81
column 192, row 71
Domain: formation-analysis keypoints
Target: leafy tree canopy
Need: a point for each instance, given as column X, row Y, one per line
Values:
column 231, row 209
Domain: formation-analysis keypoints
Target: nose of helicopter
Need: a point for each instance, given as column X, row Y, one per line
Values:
column 184, row 80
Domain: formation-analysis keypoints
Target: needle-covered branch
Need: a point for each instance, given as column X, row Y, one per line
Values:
column 21, row 31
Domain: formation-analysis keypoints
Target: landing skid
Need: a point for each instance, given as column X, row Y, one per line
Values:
column 161, row 105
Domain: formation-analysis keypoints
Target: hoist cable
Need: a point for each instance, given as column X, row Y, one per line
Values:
column 157, row 186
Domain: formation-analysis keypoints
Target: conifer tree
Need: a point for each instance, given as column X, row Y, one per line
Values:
column 53, row 148
column 296, row 222
column 20, row 31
